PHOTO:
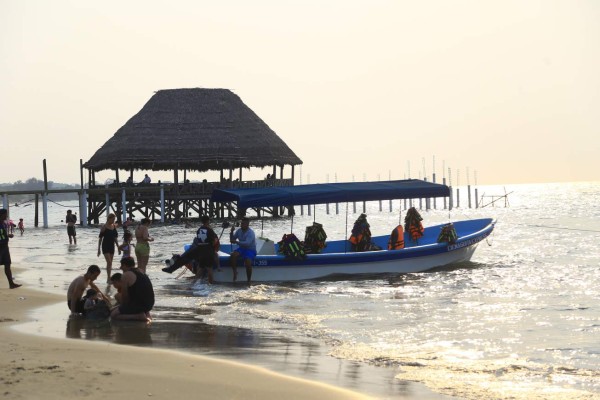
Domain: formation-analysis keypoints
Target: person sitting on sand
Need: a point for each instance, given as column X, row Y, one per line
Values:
column 75, row 302
column 137, row 294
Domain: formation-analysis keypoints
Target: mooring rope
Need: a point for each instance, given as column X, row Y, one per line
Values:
column 58, row 204
column 566, row 229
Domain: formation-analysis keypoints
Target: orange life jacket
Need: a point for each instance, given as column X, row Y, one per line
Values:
column 396, row 241
column 355, row 239
column 416, row 231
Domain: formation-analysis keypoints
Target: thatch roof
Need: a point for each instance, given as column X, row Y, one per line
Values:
column 194, row 129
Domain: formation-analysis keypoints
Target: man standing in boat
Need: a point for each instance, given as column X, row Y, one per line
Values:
column 246, row 240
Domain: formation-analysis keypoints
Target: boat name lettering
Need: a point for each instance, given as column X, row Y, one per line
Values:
column 469, row 242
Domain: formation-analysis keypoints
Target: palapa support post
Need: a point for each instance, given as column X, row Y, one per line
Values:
column 83, row 220
column 81, row 172
column 162, row 203
column 5, row 201
column 107, row 200
column 123, row 205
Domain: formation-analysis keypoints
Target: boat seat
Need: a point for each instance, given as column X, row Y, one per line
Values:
column 265, row 247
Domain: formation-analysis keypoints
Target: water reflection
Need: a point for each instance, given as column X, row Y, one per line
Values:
column 187, row 332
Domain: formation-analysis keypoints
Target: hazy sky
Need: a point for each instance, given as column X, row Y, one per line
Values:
column 509, row 90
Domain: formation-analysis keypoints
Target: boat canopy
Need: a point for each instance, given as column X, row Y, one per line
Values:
column 323, row 193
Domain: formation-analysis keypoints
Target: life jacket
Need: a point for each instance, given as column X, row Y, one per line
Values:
column 291, row 247
column 412, row 224
column 314, row 238
column 396, row 241
column 361, row 234
column 447, row 234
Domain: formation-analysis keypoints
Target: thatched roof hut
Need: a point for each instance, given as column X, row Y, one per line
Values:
column 193, row 129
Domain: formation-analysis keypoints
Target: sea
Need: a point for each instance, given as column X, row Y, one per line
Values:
column 521, row 320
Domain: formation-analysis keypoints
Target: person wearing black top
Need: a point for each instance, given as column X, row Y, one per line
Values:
column 137, row 294
column 4, row 251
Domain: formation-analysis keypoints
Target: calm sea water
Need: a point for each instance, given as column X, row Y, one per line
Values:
column 521, row 320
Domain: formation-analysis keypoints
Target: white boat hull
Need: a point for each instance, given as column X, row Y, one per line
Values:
column 416, row 258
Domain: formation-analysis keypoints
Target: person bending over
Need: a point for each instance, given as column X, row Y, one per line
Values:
column 137, row 294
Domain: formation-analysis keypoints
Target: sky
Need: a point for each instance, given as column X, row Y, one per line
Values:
column 479, row 92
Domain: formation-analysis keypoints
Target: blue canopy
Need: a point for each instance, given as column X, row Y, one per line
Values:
column 330, row 193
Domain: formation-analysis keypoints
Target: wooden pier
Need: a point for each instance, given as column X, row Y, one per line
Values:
column 157, row 202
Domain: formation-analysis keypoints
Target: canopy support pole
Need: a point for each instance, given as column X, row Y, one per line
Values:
column 346, row 235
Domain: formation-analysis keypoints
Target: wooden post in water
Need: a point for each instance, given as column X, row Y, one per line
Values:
column 35, row 215
column 469, row 195
column 45, row 196
column 476, row 197
column 45, row 208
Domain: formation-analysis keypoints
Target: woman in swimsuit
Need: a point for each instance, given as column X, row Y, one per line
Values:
column 107, row 241
column 142, row 247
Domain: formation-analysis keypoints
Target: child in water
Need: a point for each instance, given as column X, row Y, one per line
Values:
column 91, row 300
column 126, row 246
column 21, row 226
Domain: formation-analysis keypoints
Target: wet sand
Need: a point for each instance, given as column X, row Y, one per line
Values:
column 187, row 333
column 35, row 367
column 180, row 335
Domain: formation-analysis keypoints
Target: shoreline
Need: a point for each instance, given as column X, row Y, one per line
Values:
column 57, row 364
column 39, row 366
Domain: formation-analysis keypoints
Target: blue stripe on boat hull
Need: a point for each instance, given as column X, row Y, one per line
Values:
column 411, row 259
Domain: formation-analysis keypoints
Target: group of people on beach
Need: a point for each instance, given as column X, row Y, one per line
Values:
column 135, row 294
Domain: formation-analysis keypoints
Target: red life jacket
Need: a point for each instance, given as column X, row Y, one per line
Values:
column 396, row 241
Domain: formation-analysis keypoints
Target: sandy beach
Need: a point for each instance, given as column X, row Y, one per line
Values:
column 35, row 367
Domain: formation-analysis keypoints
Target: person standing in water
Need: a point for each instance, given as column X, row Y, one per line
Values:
column 246, row 240
column 107, row 242
column 5, row 235
column 71, row 220
column 142, row 246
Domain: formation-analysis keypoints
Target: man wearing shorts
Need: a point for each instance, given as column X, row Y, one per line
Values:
column 71, row 219
column 137, row 294
column 246, row 240
column 75, row 300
